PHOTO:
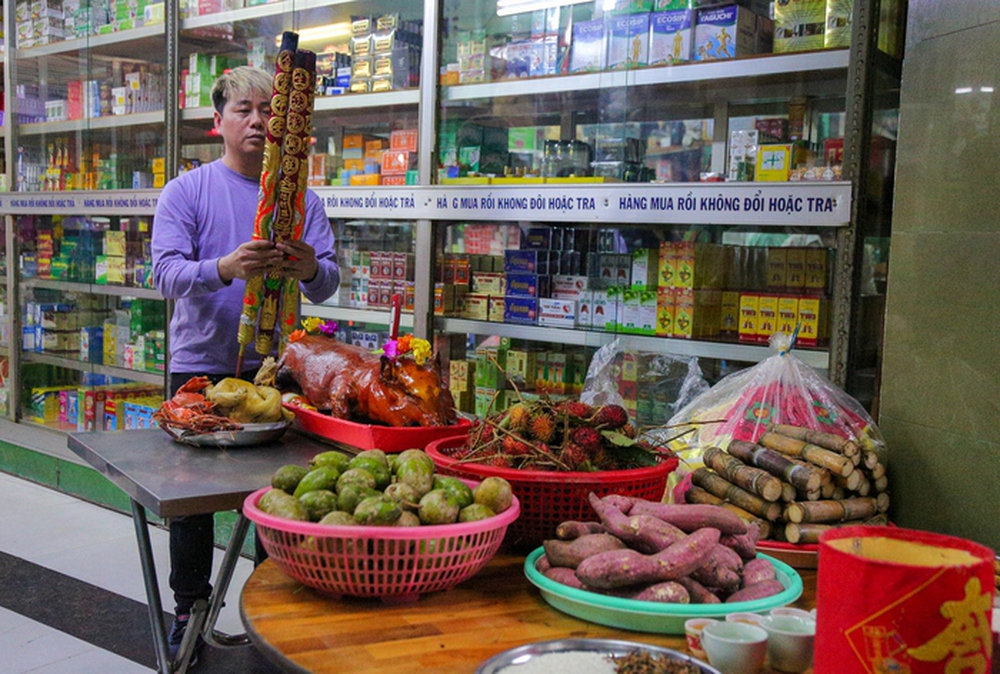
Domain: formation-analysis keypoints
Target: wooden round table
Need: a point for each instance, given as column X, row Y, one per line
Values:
column 450, row 632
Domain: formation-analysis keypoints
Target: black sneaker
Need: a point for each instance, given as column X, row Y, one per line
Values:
column 176, row 636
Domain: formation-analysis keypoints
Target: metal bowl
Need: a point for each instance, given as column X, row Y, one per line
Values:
column 601, row 648
column 250, row 435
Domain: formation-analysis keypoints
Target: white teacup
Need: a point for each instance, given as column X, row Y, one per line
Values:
column 790, row 641
column 749, row 618
column 797, row 612
column 735, row 647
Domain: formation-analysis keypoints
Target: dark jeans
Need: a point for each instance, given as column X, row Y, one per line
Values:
column 192, row 537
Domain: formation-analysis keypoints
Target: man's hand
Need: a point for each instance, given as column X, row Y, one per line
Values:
column 299, row 261
column 252, row 258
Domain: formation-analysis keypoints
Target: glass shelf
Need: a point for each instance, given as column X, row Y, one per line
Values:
column 92, row 288
column 84, row 366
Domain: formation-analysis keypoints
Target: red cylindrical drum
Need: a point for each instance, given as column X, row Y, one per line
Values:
column 898, row 600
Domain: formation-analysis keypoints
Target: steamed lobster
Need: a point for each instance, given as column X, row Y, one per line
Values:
column 358, row 385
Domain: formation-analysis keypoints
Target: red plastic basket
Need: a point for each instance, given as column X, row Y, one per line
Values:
column 395, row 564
column 549, row 498
column 390, row 439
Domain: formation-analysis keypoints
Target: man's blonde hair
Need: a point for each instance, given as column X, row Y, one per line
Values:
column 240, row 81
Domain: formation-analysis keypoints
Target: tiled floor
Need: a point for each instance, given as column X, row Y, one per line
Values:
column 79, row 541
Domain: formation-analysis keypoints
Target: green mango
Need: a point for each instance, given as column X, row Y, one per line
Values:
column 474, row 513
column 438, row 507
column 323, row 477
column 378, row 469
column 377, row 511
column 416, row 454
column 416, row 474
column 319, row 503
column 338, row 518
column 350, row 495
column 334, row 458
column 460, row 491
column 403, row 493
column 495, row 493
column 287, row 477
column 407, row 519
column 281, row 504
column 358, row 476
column 368, row 454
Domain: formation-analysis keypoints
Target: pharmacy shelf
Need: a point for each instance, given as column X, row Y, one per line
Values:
column 92, row 123
column 257, row 12
column 374, row 316
column 123, row 43
column 773, row 67
column 818, row 359
column 82, row 366
column 92, row 288
column 377, row 101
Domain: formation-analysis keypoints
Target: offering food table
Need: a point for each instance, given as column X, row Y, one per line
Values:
column 172, row 479
column 450, row 632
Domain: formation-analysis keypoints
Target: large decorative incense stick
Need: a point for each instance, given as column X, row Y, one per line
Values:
column 280, row 209
column 290, row 205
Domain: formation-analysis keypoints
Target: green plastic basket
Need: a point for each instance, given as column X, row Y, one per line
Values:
column 645, row 616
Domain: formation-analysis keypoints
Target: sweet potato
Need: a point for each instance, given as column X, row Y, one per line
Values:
column 745, row 545
column 620, row 568
column 668, row 592
column 569, row 554
column 690, row 517
column 572, row 529
column 765, row 588
column 720, row 569
column 543, row 564
column 561, row 574
column 726, row 580
column 756, row 571
column 644, row 533
column 698, row 593
column 620, row 501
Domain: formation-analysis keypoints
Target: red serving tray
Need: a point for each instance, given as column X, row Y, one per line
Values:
column 390, row 439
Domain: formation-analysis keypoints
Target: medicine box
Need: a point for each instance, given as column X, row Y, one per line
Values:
column 628, row 43
column 670, row 37
column 773, row 163
column 589, row 52
column 724, row 33
column 799, row 25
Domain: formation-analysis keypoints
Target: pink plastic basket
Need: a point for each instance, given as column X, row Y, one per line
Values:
column 395, row 564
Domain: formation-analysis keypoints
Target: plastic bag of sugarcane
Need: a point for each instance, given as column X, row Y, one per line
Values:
column 778, row 391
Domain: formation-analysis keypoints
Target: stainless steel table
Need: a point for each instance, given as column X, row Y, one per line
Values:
column 170, row 479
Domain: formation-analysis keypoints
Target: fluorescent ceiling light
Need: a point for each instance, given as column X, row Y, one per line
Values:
column 328, row 31
column 963, row 90
column 508, row 7
column 986, row 90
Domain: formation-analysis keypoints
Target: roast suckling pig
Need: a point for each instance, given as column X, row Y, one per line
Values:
column 358, row 385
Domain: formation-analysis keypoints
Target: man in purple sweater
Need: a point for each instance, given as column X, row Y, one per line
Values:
column 202, row 256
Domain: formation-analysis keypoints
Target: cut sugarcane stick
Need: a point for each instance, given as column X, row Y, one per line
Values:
column 788, row 492
column 828, row 489
column 809, row 532
column 726, row 490
column 851, row 482
column 253, row 294
column 869, row 458
column 754, row 480
column 832, row 510
column 880, row 483
column 878, row 470
column 776, row 464
column 831, row 441
column 813, row 495
column 699, row 495
column 837, row 463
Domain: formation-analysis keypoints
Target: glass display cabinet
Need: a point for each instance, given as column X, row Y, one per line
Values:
column 542, row 176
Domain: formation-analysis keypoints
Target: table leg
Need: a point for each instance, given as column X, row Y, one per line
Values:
column 222, row 587
column 152, row 589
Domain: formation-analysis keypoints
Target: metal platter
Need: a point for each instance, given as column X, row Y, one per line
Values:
column 250, row 435
column 509, row 661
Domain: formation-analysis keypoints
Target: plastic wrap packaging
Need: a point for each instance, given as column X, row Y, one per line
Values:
column 653, row 387
column 778, row 390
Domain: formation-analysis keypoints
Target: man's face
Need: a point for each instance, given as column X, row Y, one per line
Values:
column 242, row 124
